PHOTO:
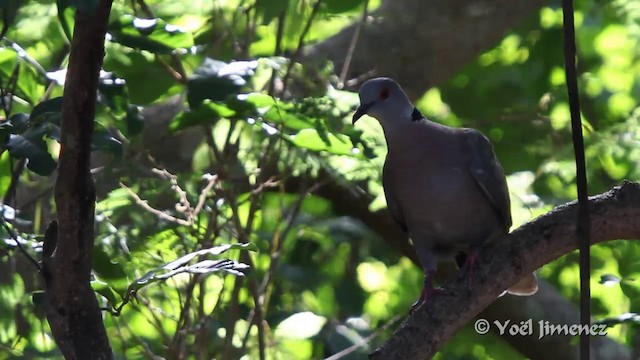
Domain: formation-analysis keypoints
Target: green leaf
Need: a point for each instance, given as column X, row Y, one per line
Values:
column 17, row 124
column 217, row 80
column 5, row 173
column 302, row 325
column 340, row 6
column 65, row 18
column 105, row 290
column 8, row 60
column 138, row 68
column 116, row 199
column 284, row 114
column 31, row 146
column 105, row 266
column 208, row 113
column 47, row 111
column 313, row 140
column 153, row 35
column 29, row 82
column 269, row 9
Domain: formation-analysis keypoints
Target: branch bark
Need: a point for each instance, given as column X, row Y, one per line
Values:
column 70, row 303
column 422, row 43
column 615, row 215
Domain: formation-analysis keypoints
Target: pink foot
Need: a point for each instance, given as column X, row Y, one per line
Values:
column 427, row 291
column 470, row 265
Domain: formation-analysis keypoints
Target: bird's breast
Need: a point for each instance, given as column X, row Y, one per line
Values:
column 442, row 202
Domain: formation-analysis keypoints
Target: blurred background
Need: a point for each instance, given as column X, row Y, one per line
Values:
column 226, row 122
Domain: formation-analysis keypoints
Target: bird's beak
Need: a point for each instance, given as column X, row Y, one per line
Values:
column 361, row 110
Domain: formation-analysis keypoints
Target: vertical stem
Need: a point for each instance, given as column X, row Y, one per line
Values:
column 298, row 52
column 352, row 46
column 583, row 230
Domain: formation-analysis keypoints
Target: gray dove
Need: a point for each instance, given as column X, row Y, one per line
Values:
column 444, row 186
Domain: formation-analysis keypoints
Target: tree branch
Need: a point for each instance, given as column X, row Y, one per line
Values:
column 614, row 215
column 425, row 42
column 71, row 305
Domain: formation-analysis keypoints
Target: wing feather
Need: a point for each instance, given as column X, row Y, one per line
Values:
column 488, row 174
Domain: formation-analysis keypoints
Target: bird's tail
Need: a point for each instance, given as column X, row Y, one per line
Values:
column 526, row 286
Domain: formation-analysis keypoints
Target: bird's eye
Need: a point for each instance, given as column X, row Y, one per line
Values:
column 384, row 93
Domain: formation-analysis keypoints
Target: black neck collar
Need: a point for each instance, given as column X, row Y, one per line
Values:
column 416, row 115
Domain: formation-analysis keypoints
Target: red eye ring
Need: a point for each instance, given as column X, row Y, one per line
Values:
column 384, row 93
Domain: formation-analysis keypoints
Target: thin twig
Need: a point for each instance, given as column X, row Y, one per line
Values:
column 146, row 9
column 10, row 194
column 250, row 30
column 365, row 341
column 184, row 318
column 19, row 244
column 159, row 213
column 352, row 45
column 230, row 322
column 203, row 195
column 298, row 51
column 175, row 74
column 278, row 52
column 279, row 236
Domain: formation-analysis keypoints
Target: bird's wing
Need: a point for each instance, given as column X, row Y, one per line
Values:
column 392, row 202
column 488, row 173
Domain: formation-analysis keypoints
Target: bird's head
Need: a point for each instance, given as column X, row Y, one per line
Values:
column 383, row 99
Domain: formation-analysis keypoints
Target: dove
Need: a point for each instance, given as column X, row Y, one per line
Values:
column 444, row 185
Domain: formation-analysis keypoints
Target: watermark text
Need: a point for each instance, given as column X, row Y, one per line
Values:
column 540, row 329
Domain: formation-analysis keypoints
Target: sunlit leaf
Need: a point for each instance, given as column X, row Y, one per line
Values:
column 335, row 144
column 65, row 18
column 5, row 172
column 302, row 325
column 105, row 290
column 105, row 266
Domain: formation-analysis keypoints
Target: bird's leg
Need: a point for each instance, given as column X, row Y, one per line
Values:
column 471, row 264
column 428, row 290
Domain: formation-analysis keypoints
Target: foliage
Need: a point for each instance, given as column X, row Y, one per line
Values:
column 319, row 281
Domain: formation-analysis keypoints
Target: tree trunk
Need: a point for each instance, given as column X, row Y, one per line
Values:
column 71, row 305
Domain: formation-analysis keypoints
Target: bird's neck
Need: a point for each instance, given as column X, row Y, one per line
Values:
column 407, row 134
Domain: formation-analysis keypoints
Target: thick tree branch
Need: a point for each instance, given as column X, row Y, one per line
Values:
column 615, row 215
column 555, row 308
column 71, row 305
column 422, row 43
